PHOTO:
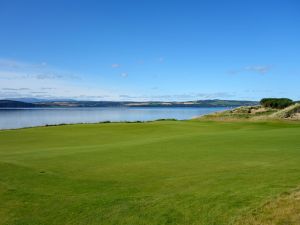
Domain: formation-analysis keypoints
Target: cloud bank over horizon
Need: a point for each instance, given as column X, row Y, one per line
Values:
column 39, row 80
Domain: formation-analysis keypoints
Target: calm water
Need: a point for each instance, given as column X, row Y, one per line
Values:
column 18, row 118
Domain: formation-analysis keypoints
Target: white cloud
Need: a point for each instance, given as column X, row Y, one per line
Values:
column 178, row 97
column 11, row 69
column 19, row 79
column 215, row 95
column 56, row 89
column 260, row 69
column 37, row 75
column 14, row 64
column 115, row 65
column 124, row 74
column 48, row 88
column 15, row 89
column 8, row 63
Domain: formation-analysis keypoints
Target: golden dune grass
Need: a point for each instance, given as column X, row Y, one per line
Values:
column 285, row 210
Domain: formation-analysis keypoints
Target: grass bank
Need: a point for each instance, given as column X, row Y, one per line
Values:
column 256, row 113
column 164, row 172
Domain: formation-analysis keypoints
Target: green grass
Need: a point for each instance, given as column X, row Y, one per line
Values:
column 166, row 172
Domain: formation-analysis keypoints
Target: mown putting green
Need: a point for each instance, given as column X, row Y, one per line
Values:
column 168, row 172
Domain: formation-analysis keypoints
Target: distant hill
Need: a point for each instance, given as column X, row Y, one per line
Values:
column 15, row 104
column 72, row 103
column 36, row 100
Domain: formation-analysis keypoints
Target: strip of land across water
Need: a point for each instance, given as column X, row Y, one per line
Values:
column 32, row 103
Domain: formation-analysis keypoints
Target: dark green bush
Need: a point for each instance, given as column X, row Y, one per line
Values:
column 276, row 103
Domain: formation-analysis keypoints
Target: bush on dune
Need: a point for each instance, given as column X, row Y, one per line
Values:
column 276, row 103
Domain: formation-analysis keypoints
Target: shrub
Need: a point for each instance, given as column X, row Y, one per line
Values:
column 277, row 103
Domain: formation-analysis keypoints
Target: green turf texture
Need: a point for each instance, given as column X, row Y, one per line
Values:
column 156, row 173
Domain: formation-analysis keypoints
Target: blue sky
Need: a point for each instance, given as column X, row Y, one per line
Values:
column 149, row 49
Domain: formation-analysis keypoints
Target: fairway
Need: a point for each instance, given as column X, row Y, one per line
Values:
column 155, row 173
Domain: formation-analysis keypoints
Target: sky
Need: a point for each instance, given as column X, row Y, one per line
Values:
column 142, row 50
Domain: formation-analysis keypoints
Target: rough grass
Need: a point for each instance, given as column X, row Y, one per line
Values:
column 255, row 113
column 165, row 172
column 284, row 210
column 288, row 112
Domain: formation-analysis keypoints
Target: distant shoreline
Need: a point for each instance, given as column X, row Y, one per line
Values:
column 131, row 104
column 96, row 123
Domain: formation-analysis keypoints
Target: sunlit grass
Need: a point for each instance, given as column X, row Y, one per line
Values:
column 166, row 172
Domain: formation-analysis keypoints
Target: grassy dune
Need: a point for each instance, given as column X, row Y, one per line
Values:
column 167, row 172
column 255, row 113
